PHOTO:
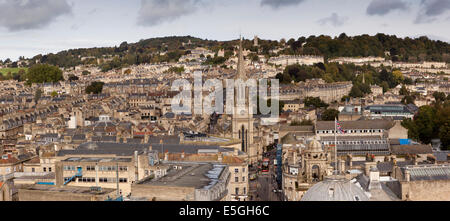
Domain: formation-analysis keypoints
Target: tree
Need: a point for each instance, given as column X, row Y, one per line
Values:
column 408, row 99
column 403, row 91
column 95, row 88
column 37, row 95
column 330, row 114
column 316, row 102
column 54, row 94
column 72, row 77
column 423, row 126
column 439, row 96
column 302, row 123
column 44, row 73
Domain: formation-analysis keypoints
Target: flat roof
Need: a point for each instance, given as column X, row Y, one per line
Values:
column 198, row 176
column 67, row 189
column 96, row 159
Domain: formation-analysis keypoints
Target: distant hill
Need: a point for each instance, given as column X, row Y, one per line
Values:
column 168, row 49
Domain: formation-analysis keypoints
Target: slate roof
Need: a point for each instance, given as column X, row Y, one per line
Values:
column 127, row 149
column 441, row 156
column 428, row 172
column 362, row 124
column 166, row 139
column 411, row 149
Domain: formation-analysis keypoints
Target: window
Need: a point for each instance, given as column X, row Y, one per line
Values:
column 237, row 191
column 90, row 168
column 32, row 170
column 236, row 170
column 123, row 168
column 243, row 179
column 245, row 190
column 236, row 179
column 44, row 169
column 49, row 169
column 243, row 170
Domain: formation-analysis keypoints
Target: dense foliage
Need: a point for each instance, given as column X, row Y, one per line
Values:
column 44, row 73
column 168, row 49
column 431, row 122
column 407, row 49
column 315, row 102
column 330, row 114
column 334, row 72
column 95, row 88
column 302, row 123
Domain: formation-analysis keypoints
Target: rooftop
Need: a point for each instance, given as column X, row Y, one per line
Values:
column 96, row 159
column 428, row 172
column 198, row 176
column 361, row 124
column 67, row 189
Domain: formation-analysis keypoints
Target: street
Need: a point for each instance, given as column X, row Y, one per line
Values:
column 265, row 184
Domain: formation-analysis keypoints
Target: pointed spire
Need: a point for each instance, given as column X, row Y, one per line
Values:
column 241, row 63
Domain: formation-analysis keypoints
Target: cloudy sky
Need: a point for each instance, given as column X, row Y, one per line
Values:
column 30, row 27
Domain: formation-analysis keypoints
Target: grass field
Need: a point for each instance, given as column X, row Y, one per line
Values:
column 5, row 71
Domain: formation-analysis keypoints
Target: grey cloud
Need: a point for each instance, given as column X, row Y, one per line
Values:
column 280, row 3
column 18, row 15
column 382, row 7
column 430, row 9
column 154, row 12
column 334, row 20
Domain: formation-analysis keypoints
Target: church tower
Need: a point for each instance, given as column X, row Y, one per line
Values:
column 242, row 124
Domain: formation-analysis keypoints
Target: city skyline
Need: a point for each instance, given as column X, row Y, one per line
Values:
column 50, row 26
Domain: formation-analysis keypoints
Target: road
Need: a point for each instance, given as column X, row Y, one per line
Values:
column 266, row 184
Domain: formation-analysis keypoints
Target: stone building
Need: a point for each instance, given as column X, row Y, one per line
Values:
column 52, row 193
column 242, row 119
column 107, row 165
column 423, row 182
column 5, row 192
column 286, row 60
column 328, row 92
column 186, row 182
column 301, row 172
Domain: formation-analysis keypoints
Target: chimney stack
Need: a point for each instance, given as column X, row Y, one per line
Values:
column 350, row 160
column 407, row 176
column 166, row 156
column 294, row 158
column 341, row 164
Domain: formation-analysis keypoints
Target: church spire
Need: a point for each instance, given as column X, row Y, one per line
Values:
column 241, row 63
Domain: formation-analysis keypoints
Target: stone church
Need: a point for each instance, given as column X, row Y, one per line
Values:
column 242, row 119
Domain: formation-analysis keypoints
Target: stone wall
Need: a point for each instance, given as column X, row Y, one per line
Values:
column 426, row 190
column 163, row 193
column 42, row 195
